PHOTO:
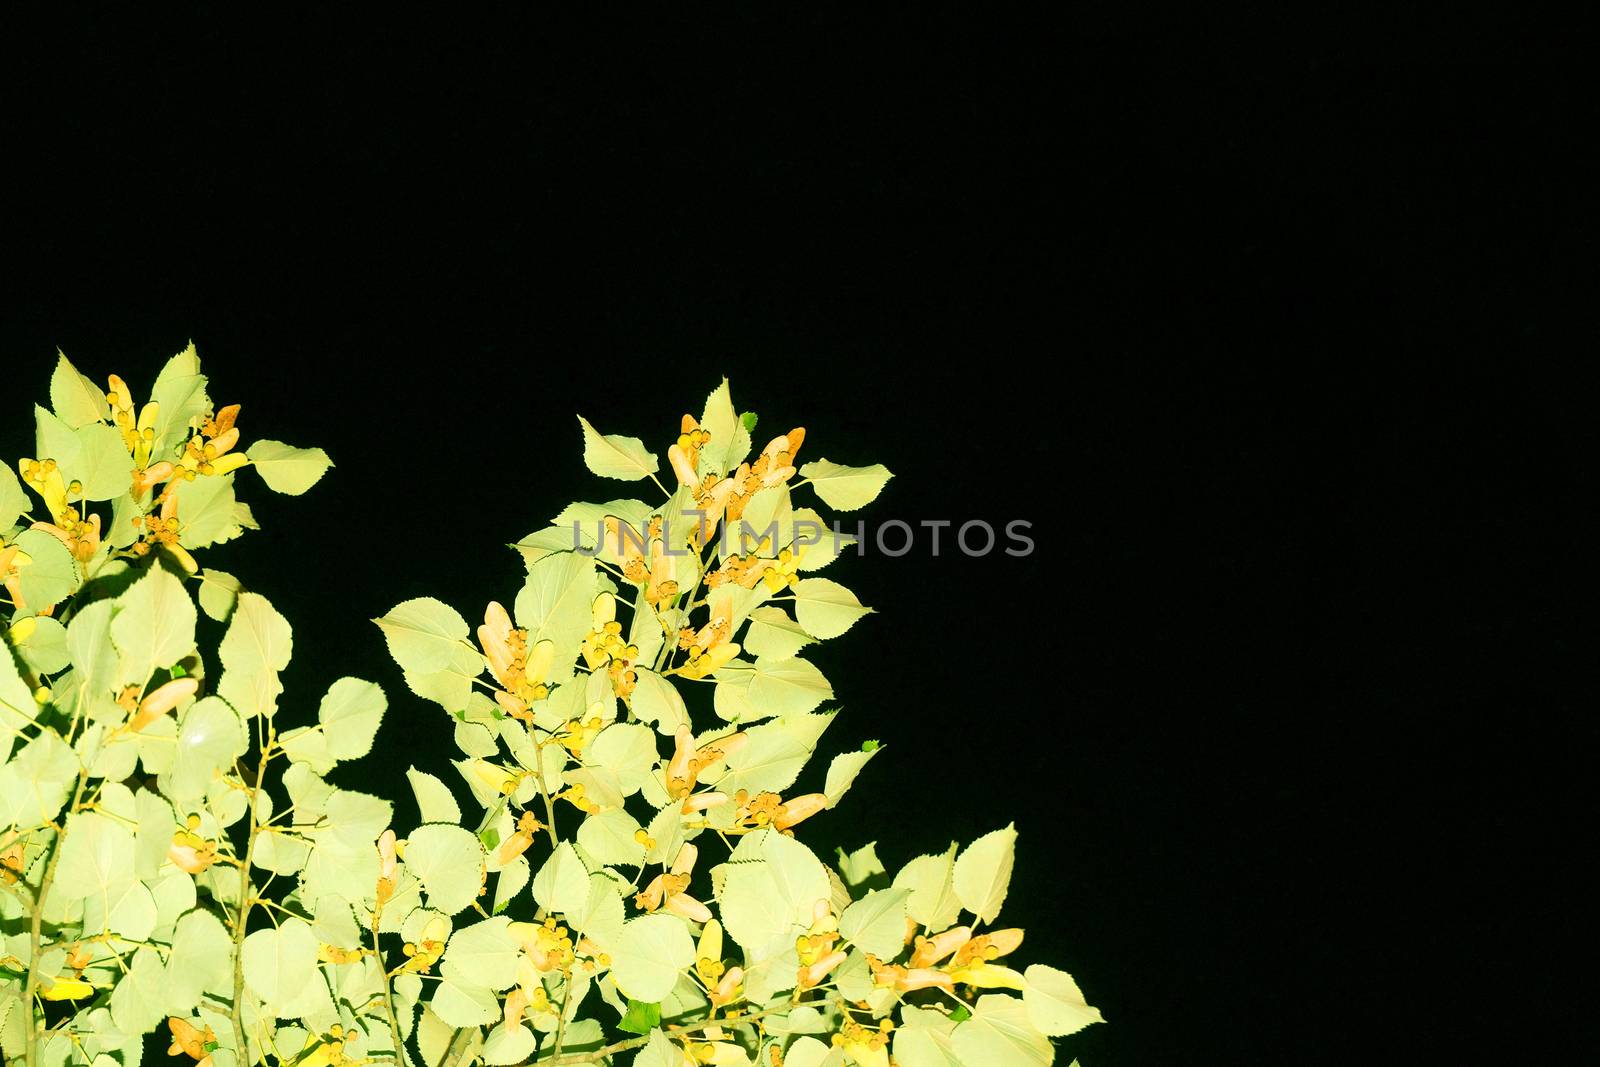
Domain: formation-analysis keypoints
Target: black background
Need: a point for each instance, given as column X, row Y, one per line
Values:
column 1262, row 326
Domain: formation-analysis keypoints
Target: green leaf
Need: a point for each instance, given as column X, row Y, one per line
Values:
column 933, row 901
column 424, row 635
column 787, row 686
column 210, row 738
column 641, row 1017
column 657, row 701
column 154, row 625
column 508, row 1044
column 846, row 488
column 771, row 887
column 1055, row 1003
column 826, row 609
column 556, row 604
column 983, row 873
column 287, row 469
column 13, row 499
column 219, row 591
column 562, row 884
column 201, row 961
column 649, row 954
column 773, row 635
column 770, row 760
column 350, row 714
column 843, row 770
column 180, row 392
column 858, row 866
column 280, row 963
column 103, row 465
column 749, row 418
column 258, row 644
column 923, row 1038
column 209, row 511
column 450, row 861
column 615, row 456
column 75, row 398
column 659, row 1052
column 730, row 433
column 1000, row 1032
column 608, row 838
column 51, row 577
column 485, row 953
column 876, row 923
column 435, row 802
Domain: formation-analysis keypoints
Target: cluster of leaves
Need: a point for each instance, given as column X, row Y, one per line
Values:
column 173, row 856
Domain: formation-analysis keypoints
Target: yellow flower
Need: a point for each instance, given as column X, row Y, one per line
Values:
column 709, row 648
column 388, row 866
column 869, row 1048
column 527, row 825
column 606, row 647
column 670, row 890
column 546, row 946
column 12, row 560
column 422, row 954
column 689, row 760
column 161, row 700
column 189, row 851
column 519, row 670
column 769, row 809
column 139, row 434
column 209, row 452
column 189, row 1041
column 773, row 466
column 68, row 989
column 627, row 548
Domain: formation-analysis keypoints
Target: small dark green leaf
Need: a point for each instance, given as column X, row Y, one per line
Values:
column 749, row 419
column 641, row 1017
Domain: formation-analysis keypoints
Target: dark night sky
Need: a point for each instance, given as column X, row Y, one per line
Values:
column 1264, row 334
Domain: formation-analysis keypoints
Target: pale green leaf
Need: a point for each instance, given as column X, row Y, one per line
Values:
column 730, row 440
column 770, row 891
column 13, row 498
column 450, row 861
column 1055, row 1004
column 508, row 1044
column 773, row 635
column 846, row 488
column 75, row 398
column 842, row 773
column 51, row 575
column 154, row 625
column 287, row 469
column 562, row 884
column 219, row 591
column 876, row 923
column 787, row 686
column 609, row 838
column 35, row 784
column 424, row 635
column 983, row 873
column 1000, row 1033
column 350, row 713
column 649, row 954
column 210, row 738
column 180, row 393
column 933, row 901
column 825, row 608
column 615, row 456
column 485, row 954
column 657, row 701
column 435, row 802
column 279, row 963
column 103, row 465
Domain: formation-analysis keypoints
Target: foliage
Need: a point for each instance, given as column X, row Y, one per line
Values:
column 173, row 856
